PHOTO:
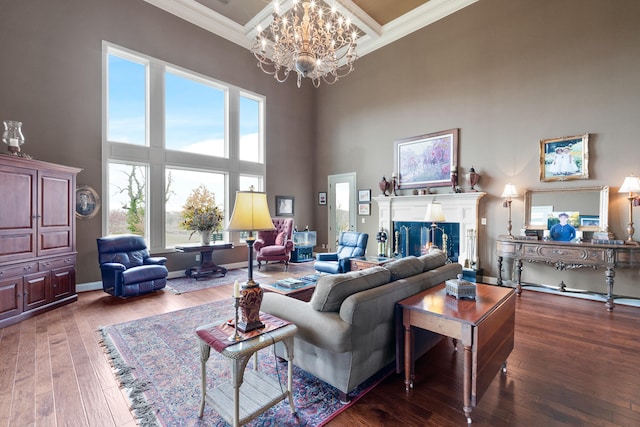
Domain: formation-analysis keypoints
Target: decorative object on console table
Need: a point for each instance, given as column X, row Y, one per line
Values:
column 427, row 160
column 250, row 213
column 564, row 158
column 630, row 185
column 508, row 193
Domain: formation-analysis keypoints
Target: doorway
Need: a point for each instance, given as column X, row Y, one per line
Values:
column 342, row 206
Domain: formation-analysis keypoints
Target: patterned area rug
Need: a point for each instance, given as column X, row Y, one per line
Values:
column 157, row 359
column 182, row 285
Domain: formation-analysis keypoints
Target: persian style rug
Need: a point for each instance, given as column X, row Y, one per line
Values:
column 157, row 361
column 183, row 285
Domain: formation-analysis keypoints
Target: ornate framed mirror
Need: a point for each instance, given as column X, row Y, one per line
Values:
column 592, row 204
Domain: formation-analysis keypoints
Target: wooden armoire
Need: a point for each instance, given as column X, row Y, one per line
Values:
column 37, row 237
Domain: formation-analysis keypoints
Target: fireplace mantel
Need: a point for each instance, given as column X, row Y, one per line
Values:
column 461, row 208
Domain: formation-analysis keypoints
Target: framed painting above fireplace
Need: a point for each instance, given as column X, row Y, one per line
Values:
column 427, row 160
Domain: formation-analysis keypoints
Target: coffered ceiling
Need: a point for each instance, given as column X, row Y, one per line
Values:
column 380, row 21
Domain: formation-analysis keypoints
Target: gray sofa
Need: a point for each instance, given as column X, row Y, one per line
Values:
column 347, row 332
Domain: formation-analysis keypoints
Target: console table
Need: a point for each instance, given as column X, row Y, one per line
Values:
column 206, row 266
column 568, row 256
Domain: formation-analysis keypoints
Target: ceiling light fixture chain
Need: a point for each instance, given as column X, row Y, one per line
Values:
column 314, row 41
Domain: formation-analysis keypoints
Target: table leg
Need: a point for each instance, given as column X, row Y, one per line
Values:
column 467, row 383
column 499, row 279
column 609, row 275
column 205, row 351
column 518, row 276
column 408, row 358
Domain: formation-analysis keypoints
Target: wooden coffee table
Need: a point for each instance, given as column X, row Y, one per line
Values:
column 485, row 326
column 364, row 262
column 206, row 267
column 303, row 293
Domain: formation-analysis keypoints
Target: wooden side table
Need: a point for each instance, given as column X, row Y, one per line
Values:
column 248, row 393
column 485, row 326
column 206, row 266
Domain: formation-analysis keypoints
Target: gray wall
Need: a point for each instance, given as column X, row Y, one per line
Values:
column 51, row 81
column 508, row 73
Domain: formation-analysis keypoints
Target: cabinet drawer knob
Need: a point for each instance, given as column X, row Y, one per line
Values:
column 46, row 264
column 27, row 267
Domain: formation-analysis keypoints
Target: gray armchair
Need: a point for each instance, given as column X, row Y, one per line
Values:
column 350, row 244
column 126, row 267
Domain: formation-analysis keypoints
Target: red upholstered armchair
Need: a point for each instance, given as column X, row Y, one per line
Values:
column 275, row 245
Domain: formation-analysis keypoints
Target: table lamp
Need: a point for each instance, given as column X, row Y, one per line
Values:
column 630, row 185
column 434, row 214
column 508, row 193
column 250, row 213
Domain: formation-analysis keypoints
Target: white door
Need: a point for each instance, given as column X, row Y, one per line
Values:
column 342, row 206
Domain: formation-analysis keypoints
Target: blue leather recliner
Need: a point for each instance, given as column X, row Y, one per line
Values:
column 127, row 269
column 350, row 244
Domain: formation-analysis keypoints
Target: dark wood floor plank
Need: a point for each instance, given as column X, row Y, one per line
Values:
column 573, row 363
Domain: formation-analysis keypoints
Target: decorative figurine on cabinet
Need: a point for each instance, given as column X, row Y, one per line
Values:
column 385, row 186
column 473, row 178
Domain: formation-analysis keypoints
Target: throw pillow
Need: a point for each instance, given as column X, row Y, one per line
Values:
column 404, row 267
column 332, row 289
column 435, row 258
column 280, row 238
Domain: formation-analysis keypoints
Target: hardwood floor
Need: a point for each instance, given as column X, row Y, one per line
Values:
column 574, row 364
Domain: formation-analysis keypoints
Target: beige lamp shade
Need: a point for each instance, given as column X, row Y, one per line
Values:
column 250, row 212
column 434, row 213
column 510, row 191
column 630, row 185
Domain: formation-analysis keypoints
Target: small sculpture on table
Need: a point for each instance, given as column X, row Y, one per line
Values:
column 381, row 238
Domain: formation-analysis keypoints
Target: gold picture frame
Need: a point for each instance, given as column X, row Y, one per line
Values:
column 565, row 158
column 87, row 202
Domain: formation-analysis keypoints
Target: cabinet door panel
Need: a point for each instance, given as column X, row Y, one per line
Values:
column 17, row 212
column 37, row 290
column 55, row 232
column 10, row 297
column 63, row 282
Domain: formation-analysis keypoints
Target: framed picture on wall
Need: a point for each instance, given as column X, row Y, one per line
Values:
column 364, row 196
column 364, row 209
column 322, row 198
column 565, row 158
column 427, row 160
column 284, row 205
column 87, row 202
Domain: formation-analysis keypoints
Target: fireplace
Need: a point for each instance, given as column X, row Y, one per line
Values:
column 405, row 214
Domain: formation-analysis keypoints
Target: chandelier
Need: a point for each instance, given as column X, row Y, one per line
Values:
column 314, row 41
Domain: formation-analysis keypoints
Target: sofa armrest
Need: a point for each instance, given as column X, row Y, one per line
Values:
column 159, row 260
column 258, row 244
column 331, row 256
column 288, row 246
column 322, row 329
column 112, row 266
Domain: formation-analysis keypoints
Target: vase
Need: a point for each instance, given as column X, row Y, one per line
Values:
column 205, row 237
column 12, row 136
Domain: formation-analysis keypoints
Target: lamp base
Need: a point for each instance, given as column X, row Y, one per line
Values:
column 250, row 302
column 631, row 242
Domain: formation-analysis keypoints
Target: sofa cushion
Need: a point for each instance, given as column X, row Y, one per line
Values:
column 273, row 250
column 435, row 258
column 332, row 289
column 404, row 267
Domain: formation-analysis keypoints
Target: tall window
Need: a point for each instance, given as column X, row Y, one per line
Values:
column 161, row 144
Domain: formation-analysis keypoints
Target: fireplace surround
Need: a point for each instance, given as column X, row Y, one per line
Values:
column 461, row 209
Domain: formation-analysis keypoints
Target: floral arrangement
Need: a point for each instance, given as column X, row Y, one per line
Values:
column 200, row 212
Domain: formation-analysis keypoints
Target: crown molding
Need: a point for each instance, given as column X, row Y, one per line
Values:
column 374, row 36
